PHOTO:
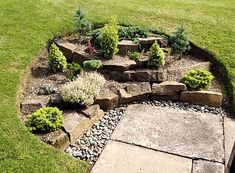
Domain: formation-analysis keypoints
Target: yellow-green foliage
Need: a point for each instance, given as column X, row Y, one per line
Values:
column 92, row 64
column 45, row 119
column 156, row 56
column 199, row 79
column 108, row 39
column 57, row 60
column 83, row 89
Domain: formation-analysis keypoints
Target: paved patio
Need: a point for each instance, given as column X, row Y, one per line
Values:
column 151, row 139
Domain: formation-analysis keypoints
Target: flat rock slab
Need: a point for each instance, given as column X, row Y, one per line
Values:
column 229, row 132
column 119, row 64
column 124, row 158
column 184, row 133
column 200, row 166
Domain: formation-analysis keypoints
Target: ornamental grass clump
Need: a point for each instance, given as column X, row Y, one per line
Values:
column 57, row 60
column 108, row 39
column 45, row 119
column 198, row 79
column 83, row 89
column 156, row 56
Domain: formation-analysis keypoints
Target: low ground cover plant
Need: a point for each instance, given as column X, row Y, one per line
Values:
column 45, row 119
column 92, row 64
column 83, row 89
column 198, row 79
column 132, row 32
column 57, row 60
column 135, row 56
column 47, row 89
column 156, row 56
column 108, row 39
column 83, row 25
column 180, row 40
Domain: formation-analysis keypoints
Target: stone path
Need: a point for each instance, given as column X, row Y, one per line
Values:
column 151, row 139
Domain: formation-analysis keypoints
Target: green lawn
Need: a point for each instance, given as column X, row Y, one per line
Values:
column 25, row 27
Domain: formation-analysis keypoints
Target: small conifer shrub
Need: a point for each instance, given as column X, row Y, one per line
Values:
column 198, row 79
column 180, row 40
column 83, row 25
column 108, row 39
column 45, row 119
column 156, row 56
column 57, row 60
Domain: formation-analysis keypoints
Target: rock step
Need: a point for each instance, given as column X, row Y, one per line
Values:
column 75, row 125
column 150, row 75
column 202, row 97
column 168, row 90
column 141, row 75
column 119, row 64
column 127, row 46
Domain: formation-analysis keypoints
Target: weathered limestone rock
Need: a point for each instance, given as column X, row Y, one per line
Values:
column 202, row 97
column 167, row 90
column 177, row 73
column 229, row 136
column 142, row 75
column 76, row 124
column 142, row 62
column 107, row 100
column 126, row 46
column 184, row 133
column 81, row 56
column 148, row 75
column 124, row 95
column 119, row 157
column 66, row 48
column 201, row 166
column 30, row 106
column 119, row 65
column 135, row 92
column 146, row 43
column 59, row 139
column 92, row 111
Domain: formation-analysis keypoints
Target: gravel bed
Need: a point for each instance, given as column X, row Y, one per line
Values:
column 92, row 143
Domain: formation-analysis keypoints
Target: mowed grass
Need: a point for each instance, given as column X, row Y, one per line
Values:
column 25, row 27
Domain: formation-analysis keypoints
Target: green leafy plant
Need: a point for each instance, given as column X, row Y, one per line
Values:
column 108, row 39
column 45, row 119
column 57, row 60
column 92, row 64
column 180, row 40
column 47, row 89
column 136, row 55
column 83, row 89
column 73, row 69
column 198, row 79
column 83, row 25
column 156, row 56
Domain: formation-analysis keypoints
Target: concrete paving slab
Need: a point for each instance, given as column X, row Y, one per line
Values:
column 229, row 132
column 124, row 158
column 200, row 166
column 189, row 134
